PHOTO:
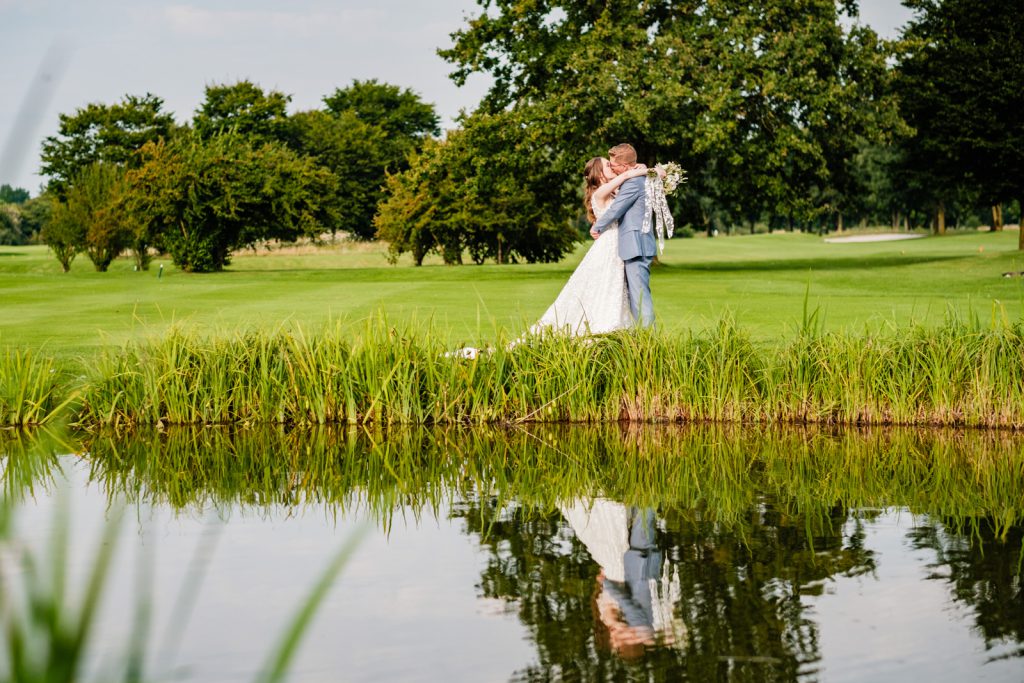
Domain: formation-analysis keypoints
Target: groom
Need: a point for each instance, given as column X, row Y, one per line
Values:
column 636, row 248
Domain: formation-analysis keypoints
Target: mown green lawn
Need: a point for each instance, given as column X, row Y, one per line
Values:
column 759, row 280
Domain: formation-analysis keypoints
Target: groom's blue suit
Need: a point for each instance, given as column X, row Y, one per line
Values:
column 636, row 248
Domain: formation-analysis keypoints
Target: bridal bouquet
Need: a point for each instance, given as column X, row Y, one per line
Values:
column 656, row 189
column 674, row 175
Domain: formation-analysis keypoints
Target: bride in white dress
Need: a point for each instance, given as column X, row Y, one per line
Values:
column 594, row 300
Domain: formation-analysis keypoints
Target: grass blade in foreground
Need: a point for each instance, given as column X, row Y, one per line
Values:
column 277, row 664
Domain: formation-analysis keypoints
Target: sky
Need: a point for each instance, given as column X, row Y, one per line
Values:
column 59, row 55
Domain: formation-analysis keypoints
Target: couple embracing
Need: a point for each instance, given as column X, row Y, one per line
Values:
column 611, row 287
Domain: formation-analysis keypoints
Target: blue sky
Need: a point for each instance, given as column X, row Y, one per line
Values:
column 102, row 49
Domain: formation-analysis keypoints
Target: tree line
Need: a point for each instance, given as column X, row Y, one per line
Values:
column 786, row 114
column 242, row 171
column 789, row 114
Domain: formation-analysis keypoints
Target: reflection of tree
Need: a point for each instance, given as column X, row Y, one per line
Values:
column 985, row 572
column 741, row 588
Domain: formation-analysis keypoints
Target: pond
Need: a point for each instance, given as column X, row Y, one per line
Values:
column 543, row 553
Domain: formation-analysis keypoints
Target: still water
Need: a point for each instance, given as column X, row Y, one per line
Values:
column 661, row 553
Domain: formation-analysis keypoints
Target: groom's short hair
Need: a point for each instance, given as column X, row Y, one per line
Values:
column 622, row 154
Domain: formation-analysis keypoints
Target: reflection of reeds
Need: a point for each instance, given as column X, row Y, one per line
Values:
column 960, row 374
column 717, row 473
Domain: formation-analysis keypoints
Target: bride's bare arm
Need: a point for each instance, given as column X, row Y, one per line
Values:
column 602, row 193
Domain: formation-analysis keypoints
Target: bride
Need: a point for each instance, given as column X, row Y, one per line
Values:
column 594, row 300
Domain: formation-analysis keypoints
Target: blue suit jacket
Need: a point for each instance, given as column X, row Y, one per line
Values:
column 628, row 209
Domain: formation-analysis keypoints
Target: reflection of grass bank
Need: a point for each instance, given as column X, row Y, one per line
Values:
column 711, row 472
column 960, row 374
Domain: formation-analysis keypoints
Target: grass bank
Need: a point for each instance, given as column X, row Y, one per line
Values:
column 760, row 281
column 963, row 373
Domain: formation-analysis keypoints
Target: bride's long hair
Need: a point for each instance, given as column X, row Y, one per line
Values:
column 593, row 177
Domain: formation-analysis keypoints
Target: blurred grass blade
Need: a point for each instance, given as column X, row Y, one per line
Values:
column 277, row 664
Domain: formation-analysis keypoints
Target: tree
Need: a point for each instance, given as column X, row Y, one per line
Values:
column 427, row 209
column 401, row 114
column 962, row 90
column 485, row 189
column 13, row 195
column 10, row 226
column 202, row 199
column 35, row 215
column 369, row 130
column 759, row 100
column 103, row 133
column 356, row 153
column 242, row 108
column 64, row 235
column 92, row 218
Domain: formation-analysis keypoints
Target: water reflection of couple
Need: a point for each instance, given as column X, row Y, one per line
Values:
column 635, row 601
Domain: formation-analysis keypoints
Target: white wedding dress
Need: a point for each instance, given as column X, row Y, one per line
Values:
column 594, row 300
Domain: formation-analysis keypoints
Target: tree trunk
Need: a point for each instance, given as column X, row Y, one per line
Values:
column 997, row 217
column 1020, row 228
column 940, row 219
column 839, row 221
column 895, row 221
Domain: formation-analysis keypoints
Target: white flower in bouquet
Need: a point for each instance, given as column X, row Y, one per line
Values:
column 674, row 175
column 663, row 179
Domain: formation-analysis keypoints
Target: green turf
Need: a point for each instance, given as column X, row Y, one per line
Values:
column 760, row 280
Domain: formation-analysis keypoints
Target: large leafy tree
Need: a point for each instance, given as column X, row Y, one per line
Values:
column 202, row 199
column 368, row 130
column 961, row 78
column 400, row 113
column 356, row 152
column 478, row 190
column 242, row 108
column 763, row 101
column 110, row 133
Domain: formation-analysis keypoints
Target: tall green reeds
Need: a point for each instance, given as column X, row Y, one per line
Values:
column 961, row 374
column 31, row 389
